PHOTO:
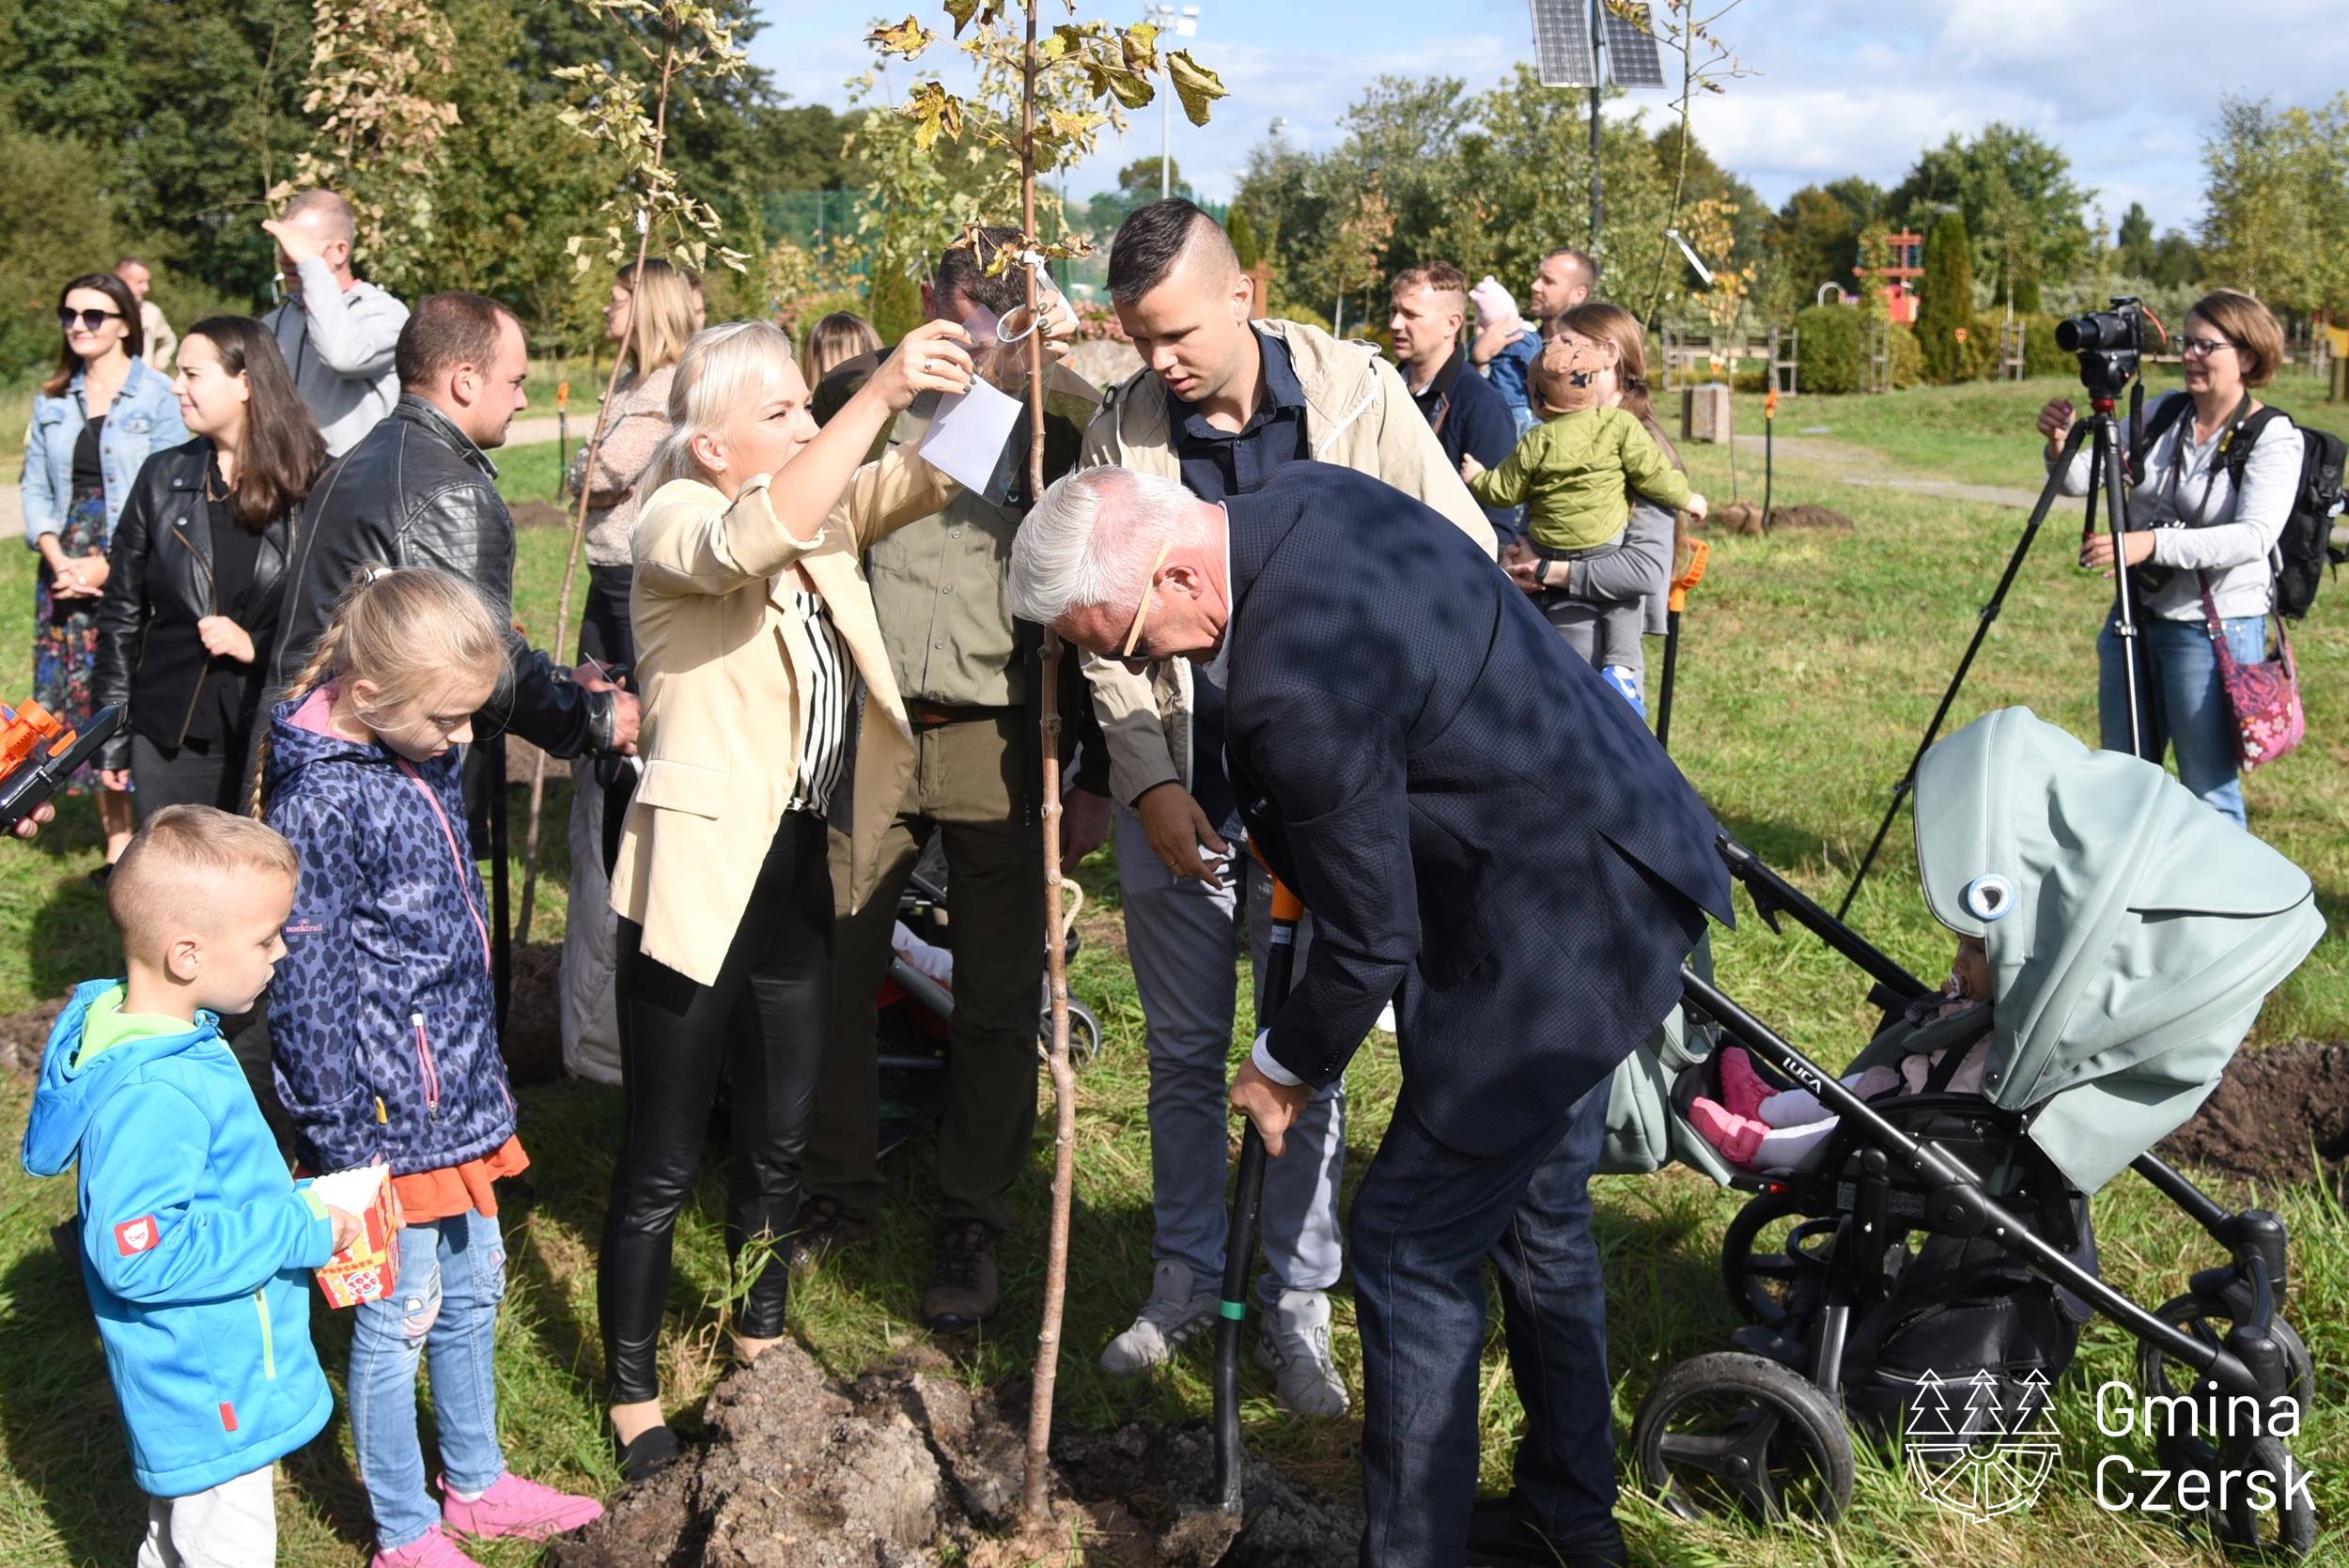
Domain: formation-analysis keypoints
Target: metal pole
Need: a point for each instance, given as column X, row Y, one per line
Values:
column 1598, row 49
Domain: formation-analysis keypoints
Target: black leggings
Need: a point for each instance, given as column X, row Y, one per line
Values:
column 772, row 1006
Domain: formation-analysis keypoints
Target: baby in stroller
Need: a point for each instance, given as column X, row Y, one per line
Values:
column 1943, row 1039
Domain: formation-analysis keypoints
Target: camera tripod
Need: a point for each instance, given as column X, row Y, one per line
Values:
column 2105, row 478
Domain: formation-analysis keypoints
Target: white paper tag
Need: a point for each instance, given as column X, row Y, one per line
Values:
column 967, row 434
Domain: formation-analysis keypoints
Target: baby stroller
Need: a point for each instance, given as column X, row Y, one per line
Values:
column 915, row 1002
column 1941, row 1239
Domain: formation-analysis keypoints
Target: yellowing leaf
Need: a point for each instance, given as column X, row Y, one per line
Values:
column 908, row 39
column 963, row 12
column 1133, row 91
column 1194, row 83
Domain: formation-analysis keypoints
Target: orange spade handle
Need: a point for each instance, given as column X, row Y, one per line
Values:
column 1286, row 905
column 1699, row 551
column 1770, row 404
column 562, row 394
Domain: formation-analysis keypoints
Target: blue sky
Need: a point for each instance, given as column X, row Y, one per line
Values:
column 2126, row 88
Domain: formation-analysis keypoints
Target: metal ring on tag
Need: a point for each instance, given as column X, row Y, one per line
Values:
column 1988, row 897
column 1004, row 333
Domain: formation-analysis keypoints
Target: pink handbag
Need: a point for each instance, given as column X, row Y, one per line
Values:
column 2265, row 697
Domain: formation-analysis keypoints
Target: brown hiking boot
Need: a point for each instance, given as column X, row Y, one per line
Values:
column 824, row 1229
column 963, row 1290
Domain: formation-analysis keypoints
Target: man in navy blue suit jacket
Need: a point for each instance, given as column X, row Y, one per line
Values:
column 1486, row 833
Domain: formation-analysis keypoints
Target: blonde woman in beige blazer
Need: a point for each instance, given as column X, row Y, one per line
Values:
column 754, row 633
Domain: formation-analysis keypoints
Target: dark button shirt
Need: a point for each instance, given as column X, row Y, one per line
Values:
column 1470, row 416
column 1218, row 464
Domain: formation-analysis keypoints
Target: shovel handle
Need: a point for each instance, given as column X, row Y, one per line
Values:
column 1699, row 551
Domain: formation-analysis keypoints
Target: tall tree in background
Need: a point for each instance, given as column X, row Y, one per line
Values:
column 1948, row 307
column 2277, row 198
column 1981, row 177
column 1705, row 64
column 375, row 68
column 2133, row 242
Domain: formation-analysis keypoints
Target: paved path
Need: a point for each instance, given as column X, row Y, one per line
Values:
column 1842, row 455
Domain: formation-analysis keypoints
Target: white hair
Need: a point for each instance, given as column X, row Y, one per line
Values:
column 730, row 366
column 1064, row 558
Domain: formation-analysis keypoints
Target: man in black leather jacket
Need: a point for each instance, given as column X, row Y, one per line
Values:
column 418, row 491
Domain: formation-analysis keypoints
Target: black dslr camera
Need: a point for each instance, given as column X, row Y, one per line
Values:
column 2110, row 343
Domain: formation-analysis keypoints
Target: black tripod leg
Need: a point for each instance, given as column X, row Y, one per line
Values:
column 2124, row 609
column 2047, row 494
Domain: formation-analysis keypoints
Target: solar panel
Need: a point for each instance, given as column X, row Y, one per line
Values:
column 1631, row 57
column 1562, row 44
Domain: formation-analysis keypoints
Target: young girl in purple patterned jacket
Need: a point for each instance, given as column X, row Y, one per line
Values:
column 383, row 1026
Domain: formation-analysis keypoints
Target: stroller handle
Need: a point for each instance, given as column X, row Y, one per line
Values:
column 1773, row 895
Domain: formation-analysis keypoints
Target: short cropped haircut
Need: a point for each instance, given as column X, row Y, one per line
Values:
column 333, row 213
column 1588, row 268
column 2250, row 326
column 962, row 269
column 160, row 886
column 1441, row 276
column 447, row 331
column 1154, row 237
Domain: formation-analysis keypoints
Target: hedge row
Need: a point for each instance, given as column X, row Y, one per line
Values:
column 1828, row 352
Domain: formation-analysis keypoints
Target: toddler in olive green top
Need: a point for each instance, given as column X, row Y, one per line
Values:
column 1571, row 470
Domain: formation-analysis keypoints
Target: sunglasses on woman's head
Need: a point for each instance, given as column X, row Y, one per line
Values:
column 91, row 319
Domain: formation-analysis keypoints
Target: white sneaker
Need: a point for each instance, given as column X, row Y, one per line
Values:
column 1173, row 1315
column 1294, row 1346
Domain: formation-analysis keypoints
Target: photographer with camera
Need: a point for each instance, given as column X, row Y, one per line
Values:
column 2203, row 512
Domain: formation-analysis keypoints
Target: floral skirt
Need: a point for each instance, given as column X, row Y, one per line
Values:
column 65, row 631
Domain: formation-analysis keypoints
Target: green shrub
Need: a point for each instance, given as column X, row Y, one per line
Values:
column 1948, row 303
column 1243, row 235
column 894, row 303
column 1828, row 353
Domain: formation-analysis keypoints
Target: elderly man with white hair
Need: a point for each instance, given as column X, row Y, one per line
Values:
column 337, row 329
column 1486, row 833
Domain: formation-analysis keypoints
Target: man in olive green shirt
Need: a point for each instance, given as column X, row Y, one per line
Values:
column 971, row 677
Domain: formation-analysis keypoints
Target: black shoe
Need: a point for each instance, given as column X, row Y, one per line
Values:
column 825, row 1229
column 963, row 1292
column 1502, row 1534
column 653, row 1449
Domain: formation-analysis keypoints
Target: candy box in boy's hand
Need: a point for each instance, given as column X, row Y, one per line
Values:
column 367, row 1268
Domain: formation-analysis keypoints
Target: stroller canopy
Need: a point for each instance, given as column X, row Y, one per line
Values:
column 2132, row 931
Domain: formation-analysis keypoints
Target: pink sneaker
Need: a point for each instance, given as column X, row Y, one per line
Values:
column 517, row 1509
column 1743, row 1090
column 432, row 1550
column 1737, row 1136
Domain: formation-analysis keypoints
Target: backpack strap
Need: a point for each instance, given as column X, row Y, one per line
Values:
column 2167, row 412
column 2240, row 441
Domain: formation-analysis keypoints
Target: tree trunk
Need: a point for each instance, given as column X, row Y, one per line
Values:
column 1036, row 1500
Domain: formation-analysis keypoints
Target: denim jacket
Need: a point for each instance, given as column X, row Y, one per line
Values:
column 145, row 418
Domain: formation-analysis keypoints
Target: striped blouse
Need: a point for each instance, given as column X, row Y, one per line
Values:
column 829, row 705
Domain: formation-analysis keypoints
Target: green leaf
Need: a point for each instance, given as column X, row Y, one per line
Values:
column 1133, row 91
column 963, row 12
column 1194, row 83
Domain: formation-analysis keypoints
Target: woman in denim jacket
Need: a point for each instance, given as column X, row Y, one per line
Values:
column 94, row 423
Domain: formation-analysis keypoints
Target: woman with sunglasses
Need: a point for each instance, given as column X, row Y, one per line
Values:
column 95, row 421
column 191, row 604
column 2194, row 526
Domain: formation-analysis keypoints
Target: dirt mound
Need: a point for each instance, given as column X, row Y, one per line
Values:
column 25, row 1036
column 905, row 1467
column 1745, row 516
column 539, row 514
column 2277, row 1115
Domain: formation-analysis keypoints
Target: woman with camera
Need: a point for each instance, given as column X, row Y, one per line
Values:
column 2191, row 526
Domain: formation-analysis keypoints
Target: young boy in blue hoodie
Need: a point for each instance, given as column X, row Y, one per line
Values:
column 194, row 1241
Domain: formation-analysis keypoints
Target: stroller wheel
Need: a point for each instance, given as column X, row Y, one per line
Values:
column 1770, row 1278
column 2288, row 1528
column 1731, row 1432
column 1085, row 1031
column 2207, row 1319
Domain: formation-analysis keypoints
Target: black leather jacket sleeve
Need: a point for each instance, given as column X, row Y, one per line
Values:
column 123, row 612
column 464, row 530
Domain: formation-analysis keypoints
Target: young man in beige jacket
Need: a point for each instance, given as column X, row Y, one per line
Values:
column 1221, row 404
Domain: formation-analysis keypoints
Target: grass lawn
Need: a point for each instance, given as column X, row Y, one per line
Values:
column 1810, row 665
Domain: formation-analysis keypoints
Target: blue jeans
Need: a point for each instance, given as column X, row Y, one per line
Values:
column 2182, row 705
column 1426, row 1219
column 452, row 1275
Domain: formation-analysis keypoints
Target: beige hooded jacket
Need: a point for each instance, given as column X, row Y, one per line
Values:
column 1358, row 415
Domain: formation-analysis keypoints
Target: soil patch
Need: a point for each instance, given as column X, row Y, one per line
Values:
column 25, row 1036
column 905, row 1467
column 2277, row 1115
column 538, row 514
